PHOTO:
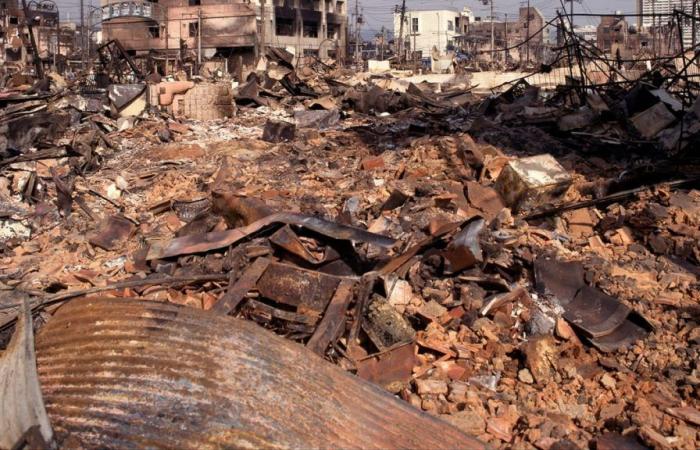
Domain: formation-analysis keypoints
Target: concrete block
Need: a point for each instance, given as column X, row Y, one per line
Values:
column 529, row 182
column 651, row 121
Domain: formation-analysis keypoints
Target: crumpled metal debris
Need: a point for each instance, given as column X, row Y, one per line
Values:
column 21, row 400
column 606, row 322
column 219, row 239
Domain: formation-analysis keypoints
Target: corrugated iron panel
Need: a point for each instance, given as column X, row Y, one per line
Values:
column 122, row 373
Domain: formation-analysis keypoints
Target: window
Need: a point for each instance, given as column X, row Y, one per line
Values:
column 194, row 29
column 414, row 25
column 154, row 31
column 194, row 2
column 332, row 32
column 284, row 27
column 450, row 26
column 311, row 29
column 14, row 21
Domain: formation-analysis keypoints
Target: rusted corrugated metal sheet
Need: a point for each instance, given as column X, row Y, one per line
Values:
column 121, row 373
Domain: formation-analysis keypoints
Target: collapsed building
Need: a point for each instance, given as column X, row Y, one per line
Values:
column 175, row 31
column 16, row 44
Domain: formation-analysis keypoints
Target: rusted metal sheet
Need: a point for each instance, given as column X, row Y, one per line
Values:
column 603, row 320
column 288, row 240
column 331, row 325
column 561, row 279
column 395, row 264
column 634, row 328
column 293, row 286
column 615, row 441
column 237, row 291
column 389, row 368
column 21, row 404
column 238, row 210
column 124, row 373
column 112, row 231
column 465, row 250
column 595, row 313
column 219, row 239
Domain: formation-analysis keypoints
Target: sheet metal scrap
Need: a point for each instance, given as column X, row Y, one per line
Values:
column 288, row 240
column 603, row 320
column 465, row 250
column 332, row 324
column 391, row 369
column 112, row 231
column 238, row 290
column 220, row 239
column 296, row 287
column 239, row 210
column 21, row 402
column 124, row 373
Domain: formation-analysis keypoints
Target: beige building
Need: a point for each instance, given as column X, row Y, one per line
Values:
column 232, row 29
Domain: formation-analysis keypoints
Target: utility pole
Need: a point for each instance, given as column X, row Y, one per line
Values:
column 167, row 44
column 82, row 33
column 403, row 18
column 199, row 37
column 439, row 35
column 262, row 27
column 35, row 51
column 694, row 30
column 493, row 34
column 357, row 33
column 653, row 27
column 383, row 40
column 505, row 46
column 527, row 35
column 571, row 8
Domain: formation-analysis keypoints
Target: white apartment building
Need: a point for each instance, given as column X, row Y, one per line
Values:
column 660, row 12
column 588, row 33
column 425, row 29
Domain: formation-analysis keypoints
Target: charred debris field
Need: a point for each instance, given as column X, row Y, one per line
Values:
column 323, row 258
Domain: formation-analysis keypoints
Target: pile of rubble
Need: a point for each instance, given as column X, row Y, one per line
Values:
column 523, row 267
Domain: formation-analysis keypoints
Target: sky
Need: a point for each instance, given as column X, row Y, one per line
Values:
column 378, row 13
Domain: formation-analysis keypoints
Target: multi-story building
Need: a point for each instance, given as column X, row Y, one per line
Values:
column 425, row 30
column 517, row 39
column 14, row 35
column 588, row 33
column 656, row 14
column 615, row 36
column 225, row 28
column 305, row 27
column 179, row 26
column 531, row 33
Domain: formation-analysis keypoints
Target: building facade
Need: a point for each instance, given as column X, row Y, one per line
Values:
column 15, row 42
column 179, row 27
column 425, row 30
column 615, row 36
column 531, row 32
column 655, row 16
column 305, row 27
column 588, row 33
column 225, row 28
column 517, row 39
